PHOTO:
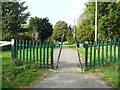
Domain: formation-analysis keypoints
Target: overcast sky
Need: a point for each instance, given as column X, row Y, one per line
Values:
column 55, row 10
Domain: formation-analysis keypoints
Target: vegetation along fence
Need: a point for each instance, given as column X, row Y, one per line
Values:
column 98, row 54
column 33, row 52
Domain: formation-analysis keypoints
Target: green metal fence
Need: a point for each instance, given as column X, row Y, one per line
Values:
column 98, row 54
column 33, row 52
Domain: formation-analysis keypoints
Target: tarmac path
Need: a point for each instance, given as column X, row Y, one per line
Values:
column 68, row 74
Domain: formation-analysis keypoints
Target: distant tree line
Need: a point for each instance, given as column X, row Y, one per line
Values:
column 14, row 24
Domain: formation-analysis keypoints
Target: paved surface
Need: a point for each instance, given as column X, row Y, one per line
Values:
column 68, row 74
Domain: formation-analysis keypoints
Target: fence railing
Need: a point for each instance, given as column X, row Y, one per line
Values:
column 5, row 43
column 34, row 52
column 98, row 54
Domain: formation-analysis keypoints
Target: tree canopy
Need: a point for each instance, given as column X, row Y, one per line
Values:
column 108, row 21
column 41, row 27
column 60, row 28
column 13, row 16
column 69, row 35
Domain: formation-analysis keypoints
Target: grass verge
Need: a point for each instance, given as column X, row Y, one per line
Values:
column 17, row 73
column 109, row 73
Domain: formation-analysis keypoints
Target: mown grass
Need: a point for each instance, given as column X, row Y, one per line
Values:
column 110, row 72
column 18, row 73
column 66, row 43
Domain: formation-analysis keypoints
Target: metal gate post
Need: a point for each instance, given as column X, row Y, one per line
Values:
column 80, row 63
column 59, row 52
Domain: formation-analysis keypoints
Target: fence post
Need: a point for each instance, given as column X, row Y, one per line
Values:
column 13, row 49
column 33, row 53
column 41, row 45
column 110, row 50
column 47, row 54
column 90, row 53
column 106, row 50
column 86, row 55
column 37, row 51
column 44, row 45
column 98, row 52
column 26, row 50
column 118, row 49
column 30, row 46
column 103, row 52
column 23, row 45
column 20, row 48
column 94, row 54
column 114, row 49
column 16, row 48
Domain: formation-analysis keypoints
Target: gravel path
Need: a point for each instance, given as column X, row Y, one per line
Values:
column 68, row 75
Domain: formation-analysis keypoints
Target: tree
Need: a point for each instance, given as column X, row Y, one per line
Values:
column 108, row 21
column 13, row 16
column 60, row 28
column 85, row 32
column 41, row 28
column 69, row 35
column 85, row 28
